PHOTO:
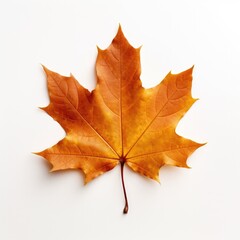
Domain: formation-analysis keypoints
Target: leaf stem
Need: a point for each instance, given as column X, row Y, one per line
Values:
column 125, row 210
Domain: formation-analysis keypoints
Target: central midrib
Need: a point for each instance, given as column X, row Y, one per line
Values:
column 120, row 100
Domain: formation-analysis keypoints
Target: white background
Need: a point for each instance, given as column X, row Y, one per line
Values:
column 200, row 203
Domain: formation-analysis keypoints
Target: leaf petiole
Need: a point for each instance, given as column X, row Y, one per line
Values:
column 125, row 210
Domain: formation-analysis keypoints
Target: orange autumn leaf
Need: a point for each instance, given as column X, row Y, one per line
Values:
column 119, row 122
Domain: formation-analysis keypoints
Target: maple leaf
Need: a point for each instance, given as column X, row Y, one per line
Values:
column 119, row 122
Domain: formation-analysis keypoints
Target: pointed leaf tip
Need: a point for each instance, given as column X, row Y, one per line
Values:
column 119, row 27
column 44, row 68
column 119, row 33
